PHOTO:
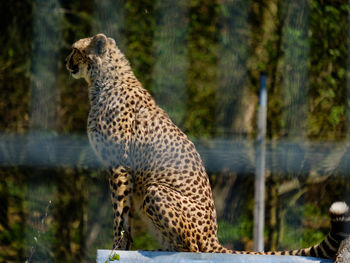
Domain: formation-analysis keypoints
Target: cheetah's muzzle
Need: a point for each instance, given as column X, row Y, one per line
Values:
column 74, row 69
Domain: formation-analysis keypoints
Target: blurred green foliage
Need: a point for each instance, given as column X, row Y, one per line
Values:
column 208, row 60
column 328, row 65
column 304, row 230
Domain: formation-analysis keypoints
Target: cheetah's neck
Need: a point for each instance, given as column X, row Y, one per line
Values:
column 113, row 73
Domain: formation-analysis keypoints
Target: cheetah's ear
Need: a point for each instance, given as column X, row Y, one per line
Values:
column 99, row 43
column 111, row 41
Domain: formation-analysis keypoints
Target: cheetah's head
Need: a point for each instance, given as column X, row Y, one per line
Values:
column 86, row 54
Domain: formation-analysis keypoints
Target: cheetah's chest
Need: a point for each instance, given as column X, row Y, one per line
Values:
column 109, row 132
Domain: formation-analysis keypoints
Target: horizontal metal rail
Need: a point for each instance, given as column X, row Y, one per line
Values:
column 283, row 157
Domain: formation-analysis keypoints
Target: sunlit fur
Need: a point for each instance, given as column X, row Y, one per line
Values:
column 339, row 208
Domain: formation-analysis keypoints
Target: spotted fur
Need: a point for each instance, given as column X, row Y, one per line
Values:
column 154, row 168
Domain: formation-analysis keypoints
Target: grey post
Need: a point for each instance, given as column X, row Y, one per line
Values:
column 259, row 206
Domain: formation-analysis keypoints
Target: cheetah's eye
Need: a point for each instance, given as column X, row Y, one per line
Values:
column 76, row 51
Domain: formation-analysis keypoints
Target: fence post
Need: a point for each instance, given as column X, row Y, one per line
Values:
column 259, row 205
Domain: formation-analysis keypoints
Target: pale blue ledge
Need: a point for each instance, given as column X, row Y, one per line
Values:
column 176, row 257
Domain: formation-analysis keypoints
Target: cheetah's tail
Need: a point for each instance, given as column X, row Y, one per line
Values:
column 339, row 213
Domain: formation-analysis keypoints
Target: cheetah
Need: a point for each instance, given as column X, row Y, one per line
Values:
column 153, row 167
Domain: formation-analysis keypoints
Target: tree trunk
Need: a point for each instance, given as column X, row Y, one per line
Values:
column 343, row 254
column 272, row 213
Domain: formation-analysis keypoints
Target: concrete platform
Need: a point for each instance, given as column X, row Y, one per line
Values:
column 182, row 257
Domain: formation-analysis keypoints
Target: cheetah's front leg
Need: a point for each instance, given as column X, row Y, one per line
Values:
column 121, row 189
